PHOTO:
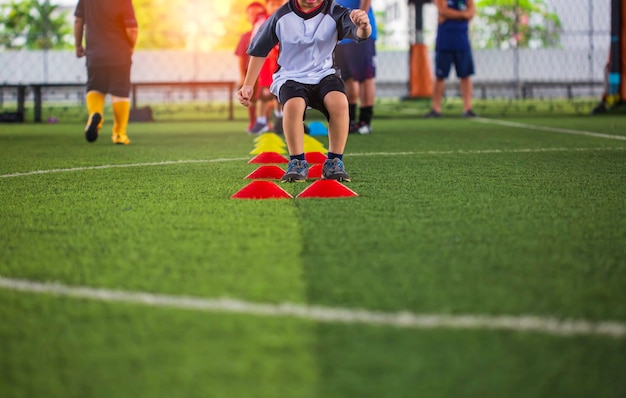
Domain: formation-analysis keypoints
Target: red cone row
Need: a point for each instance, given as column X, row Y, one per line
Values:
column 261, row 189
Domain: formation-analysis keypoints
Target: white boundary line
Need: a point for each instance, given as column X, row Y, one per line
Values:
column 113, row 166
column 172, row 162
column 404, row 320
column 550, row 129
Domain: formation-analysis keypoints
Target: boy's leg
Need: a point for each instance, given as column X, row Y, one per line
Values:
column 336, row 104
column 293, row 128
column 336, row 107
column 297, row 169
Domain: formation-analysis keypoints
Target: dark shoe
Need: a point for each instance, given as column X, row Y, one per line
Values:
column 297, row 171
column 259, row 128
column 92, row 130
column 469, row 113
column 333, row 170
column 433, row 114
column 278, row 125
column 360, row 128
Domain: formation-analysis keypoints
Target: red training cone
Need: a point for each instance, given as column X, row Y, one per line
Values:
column 262, row 190
column 268, row 158
column 315, row 157
column 267, row 172
column 327, row 189
column 315, row 171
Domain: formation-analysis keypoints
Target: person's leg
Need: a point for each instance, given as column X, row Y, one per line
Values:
column 464, row 64
column 95, row 108
column 443, row 63
column 367, row 85
column 293, row 128
column 352, row 93
column 261, row 124
column 120, row 99
column 336, row 104
column 466, row 93
column 96, row 94
column 121, row 114
column 332, row 101
column 438, row 87
column 366, row 112
column 338, row 122
column 251, row 115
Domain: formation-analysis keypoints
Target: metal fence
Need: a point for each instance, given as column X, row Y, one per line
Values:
column 573, row 68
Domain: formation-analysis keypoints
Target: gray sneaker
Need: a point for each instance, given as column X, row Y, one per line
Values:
column 333, row 170
column 258, row 128
column 297, row 171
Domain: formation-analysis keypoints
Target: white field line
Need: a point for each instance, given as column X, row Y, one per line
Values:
column 413, row 153
column 404, row 320
column 113, row 166
column 549, row 129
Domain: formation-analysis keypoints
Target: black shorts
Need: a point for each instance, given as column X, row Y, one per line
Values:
column 114, row 80
column 313, row 94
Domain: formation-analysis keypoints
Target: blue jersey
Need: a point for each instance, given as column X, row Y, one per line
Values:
column 453, row 34
column 353, row 5
column 307, row 41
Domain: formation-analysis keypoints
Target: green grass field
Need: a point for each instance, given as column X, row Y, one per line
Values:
column 504, row 230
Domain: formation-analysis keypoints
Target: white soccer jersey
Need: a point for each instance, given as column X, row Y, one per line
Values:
column 307, row 41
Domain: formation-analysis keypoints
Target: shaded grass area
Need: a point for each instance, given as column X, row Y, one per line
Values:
column 104, row 350
column 452, row 216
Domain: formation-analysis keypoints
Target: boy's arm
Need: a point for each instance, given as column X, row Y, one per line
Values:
column 362, row 21
column 244, row 95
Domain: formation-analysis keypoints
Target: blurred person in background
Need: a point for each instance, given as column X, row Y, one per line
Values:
column 110, row 30
column 308, row 32
column 453, row 47
column 265, row 98
column 269, row 106
column 254, row 13
column 357, row 63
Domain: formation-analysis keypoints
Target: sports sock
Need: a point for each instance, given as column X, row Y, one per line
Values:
column 352, row 112
column 261, row 119
column 299, row 157
column 95, row 103
column 332, row 155
column 366, row 113
column 121, row 112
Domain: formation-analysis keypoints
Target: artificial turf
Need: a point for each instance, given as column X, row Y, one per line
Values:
column 453, row 217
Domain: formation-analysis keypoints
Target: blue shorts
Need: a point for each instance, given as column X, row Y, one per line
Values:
column 462, row 60
column 114, row 80
column 313, row 94
column 356, row 60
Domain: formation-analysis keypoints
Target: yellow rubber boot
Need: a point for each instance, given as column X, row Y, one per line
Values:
column 95, row 107
column 121, row 113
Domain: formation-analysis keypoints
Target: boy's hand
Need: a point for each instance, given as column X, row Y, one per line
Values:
column 244, row 95
column 360, row 19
